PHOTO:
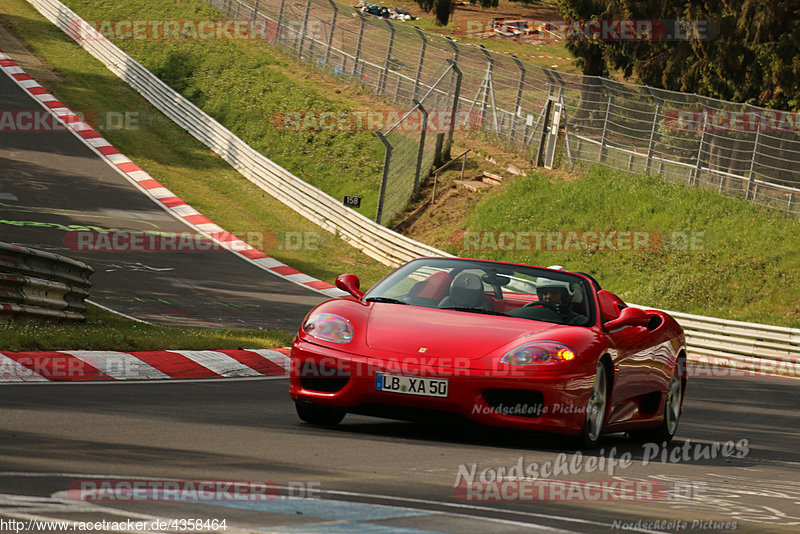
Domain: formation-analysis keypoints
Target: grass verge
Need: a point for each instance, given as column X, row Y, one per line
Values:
column 105, row 331
column 699, row 252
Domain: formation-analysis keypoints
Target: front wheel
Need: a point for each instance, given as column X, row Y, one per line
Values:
column 595, row 409
column 317, row 414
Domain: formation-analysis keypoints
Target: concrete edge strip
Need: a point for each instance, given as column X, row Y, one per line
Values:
column 81, row 365
column 153, row 189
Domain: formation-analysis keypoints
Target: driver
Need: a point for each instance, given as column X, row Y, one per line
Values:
column 559, row 294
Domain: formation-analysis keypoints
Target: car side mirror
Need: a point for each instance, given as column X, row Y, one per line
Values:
column 351, row 284
column 628, row 317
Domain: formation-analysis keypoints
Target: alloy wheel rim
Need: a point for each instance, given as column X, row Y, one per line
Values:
column 673, row 403
column 597, row 404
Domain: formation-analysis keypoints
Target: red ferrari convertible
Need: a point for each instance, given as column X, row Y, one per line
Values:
column 497, row 343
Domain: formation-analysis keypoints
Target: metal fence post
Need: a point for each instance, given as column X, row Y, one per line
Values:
column 333, row 27
column 694, row 176
column 358, row 43
column 385, row 176
column 752, row 175
column 651, row 144
column 489, row 80
column 421, row 61
column 604, row 137
column 305, row 28
column 454, row 109
column 455, row 48
column 454, row 64
column 566, row 127
column 518, row 102
column 255, row 11
column 280, row 19
column 421, row 145
column 385, row 71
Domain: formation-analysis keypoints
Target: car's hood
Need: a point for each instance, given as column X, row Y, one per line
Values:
column 433, row 333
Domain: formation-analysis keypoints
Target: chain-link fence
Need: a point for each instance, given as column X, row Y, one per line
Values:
column 415, row 141
column 736, row 149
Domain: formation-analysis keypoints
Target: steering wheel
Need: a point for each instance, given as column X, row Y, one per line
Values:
column 542, row 303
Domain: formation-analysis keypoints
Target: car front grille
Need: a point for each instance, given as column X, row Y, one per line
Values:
column 516, row 402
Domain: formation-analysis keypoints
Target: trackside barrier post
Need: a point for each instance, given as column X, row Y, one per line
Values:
column 455, row 95
column 421, row 150
column 421, row 61
column 333, row 29
column 356, row 66
column 752, row 174
column 651, row 143
column 304, row 30
column 385, row 176
column 518, row 102
column 388, row 60
column 280, row 19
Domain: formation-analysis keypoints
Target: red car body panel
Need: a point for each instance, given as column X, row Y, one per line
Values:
column 466, row 349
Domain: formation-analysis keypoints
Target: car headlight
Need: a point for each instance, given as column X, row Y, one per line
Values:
column 536, row 352
column 329, row 327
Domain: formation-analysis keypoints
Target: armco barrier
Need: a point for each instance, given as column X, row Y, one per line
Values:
column 735, row 343
column 35, row 284
column 759, row 348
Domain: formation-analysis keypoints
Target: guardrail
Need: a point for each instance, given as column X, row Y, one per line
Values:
column 748, row 345
column 758, row 349
column 35, row 284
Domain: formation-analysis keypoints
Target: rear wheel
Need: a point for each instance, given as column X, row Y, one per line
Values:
column 672, row 410
column 595, row 408
column 317, row 414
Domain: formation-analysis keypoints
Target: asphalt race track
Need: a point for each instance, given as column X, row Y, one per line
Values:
column 53, row 437
column 734, row 467
column 50, row 180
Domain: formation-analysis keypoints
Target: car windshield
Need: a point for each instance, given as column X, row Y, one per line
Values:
column 487, row 287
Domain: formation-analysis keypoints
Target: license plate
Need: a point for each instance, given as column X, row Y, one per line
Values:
column 427, row 387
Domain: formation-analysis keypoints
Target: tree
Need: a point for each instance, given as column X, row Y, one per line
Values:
column 745, row 51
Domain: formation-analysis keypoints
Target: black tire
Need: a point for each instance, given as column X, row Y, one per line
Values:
column 595, row 409
column 317, row 414
column 672, row 411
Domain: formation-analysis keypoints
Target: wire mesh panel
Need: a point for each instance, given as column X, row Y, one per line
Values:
column 736, row 149
column 411, row 144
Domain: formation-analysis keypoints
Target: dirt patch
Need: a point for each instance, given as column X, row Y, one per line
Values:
column 12, row 45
